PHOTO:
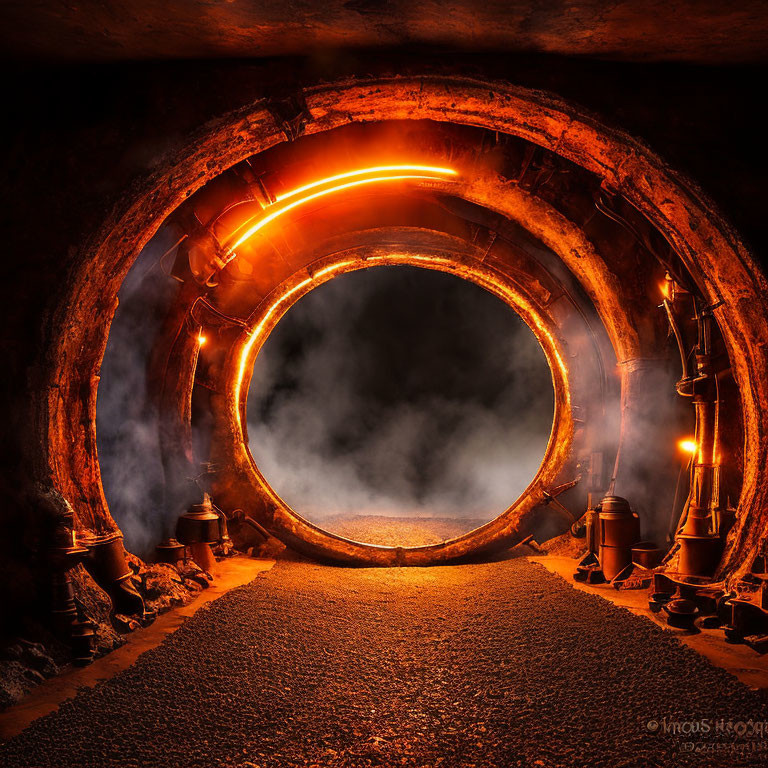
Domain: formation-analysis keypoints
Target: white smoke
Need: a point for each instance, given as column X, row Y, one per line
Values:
column 441, row 442
column 126, row 419
column 357, row 405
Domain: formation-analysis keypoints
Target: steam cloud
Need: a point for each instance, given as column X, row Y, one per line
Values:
column 394, row 391
column 399, row 391
column 650, row 461
column 126, row 420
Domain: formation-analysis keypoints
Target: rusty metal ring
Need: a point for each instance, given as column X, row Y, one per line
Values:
column 243, row 480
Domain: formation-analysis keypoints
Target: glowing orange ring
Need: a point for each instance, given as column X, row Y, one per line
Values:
column 302, row 535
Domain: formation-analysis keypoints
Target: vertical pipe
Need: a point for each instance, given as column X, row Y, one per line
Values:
column 175, row 425
column 700, row 545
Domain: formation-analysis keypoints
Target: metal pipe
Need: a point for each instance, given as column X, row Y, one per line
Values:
column 258, row 528
column 700, row 545
column 667, row 304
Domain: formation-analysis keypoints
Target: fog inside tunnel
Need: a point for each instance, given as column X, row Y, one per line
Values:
column 393, row 394
column 127, row 426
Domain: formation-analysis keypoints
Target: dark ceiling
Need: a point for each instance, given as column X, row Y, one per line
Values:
column 711, row 31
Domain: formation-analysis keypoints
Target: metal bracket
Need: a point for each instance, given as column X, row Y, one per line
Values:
column 291, row 114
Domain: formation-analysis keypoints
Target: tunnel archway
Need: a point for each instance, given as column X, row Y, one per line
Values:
column 240, row 479
column 399, row 406
column 712, row 253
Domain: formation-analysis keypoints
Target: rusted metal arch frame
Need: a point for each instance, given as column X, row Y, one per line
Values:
column 239, row 483
column 240, row 479
column 63, row 417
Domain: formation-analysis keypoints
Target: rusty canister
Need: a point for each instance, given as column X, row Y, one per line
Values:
column 619, row 530
column 198, row 525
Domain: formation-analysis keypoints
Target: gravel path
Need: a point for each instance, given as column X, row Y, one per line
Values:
column 398, row 531
column 499, row 664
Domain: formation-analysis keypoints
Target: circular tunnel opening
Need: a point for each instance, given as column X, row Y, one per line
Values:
column 223, row 308
column 399, row 406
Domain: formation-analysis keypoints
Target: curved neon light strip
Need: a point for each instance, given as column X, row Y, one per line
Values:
column 365, row 171
column 428, row 172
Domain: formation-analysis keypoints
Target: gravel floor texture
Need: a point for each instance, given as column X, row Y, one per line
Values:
column 399, row 531
column 497, row 664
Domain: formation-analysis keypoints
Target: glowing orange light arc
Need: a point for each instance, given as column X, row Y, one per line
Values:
column 419, row 172
column 688, row 446
column 428, row 169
